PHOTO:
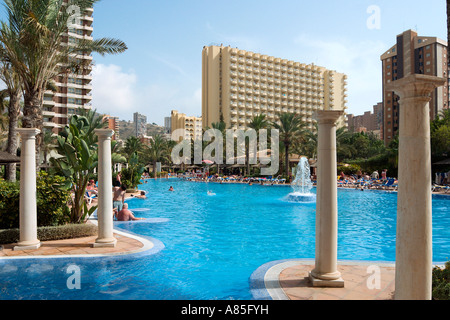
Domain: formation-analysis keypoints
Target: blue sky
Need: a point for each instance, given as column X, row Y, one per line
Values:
column 161, row 70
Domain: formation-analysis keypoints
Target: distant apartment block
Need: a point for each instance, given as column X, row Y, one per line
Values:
column 73, row 90
column 237, row 85
column 113, row 124
column 140, row 124
column 368, row 122
column 168, row 125
column 192, row 125
column 413, row 54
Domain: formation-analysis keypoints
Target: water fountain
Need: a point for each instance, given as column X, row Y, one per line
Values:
column 302, row 184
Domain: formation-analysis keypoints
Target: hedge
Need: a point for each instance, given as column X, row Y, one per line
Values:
column 69, row 231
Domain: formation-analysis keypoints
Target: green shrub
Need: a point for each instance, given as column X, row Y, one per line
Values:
column 69, row 231
column 349, row 169
column 9, row 204
column 441, row 282
column 52, row 199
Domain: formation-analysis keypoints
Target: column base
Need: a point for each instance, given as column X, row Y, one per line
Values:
column 105, row 243
column 326, row 283
column 27, row 245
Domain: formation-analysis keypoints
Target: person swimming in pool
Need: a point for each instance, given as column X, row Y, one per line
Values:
column 171, row 188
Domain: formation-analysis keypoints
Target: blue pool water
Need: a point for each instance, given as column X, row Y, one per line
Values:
column 207, row 246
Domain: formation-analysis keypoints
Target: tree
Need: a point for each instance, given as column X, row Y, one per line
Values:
column 310, row 142
column 157, row 151
column 33, row 43
column 440, row 135
column 133, row 145
column 258, row 123
column 14, row 92
column 344, row 148
column 77, row 146
column 291, row 128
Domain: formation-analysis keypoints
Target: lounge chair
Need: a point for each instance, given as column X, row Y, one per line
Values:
column 389, row 184
column 89, row 198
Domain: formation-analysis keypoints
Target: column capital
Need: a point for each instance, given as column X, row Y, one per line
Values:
column 28, row 132
column 328, row 116
column 415, row 86
column 104, row 133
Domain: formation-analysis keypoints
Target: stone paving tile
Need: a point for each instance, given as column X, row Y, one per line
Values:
column 74, row 247
column 295, row 284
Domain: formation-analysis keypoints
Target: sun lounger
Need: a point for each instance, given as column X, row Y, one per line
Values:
column 89, row 198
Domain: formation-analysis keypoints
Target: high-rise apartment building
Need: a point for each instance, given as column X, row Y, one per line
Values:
column 413, row 54
column 73, row 90
column 113, row 124
column 140, row 124
column 192, row 125
column 167, row 125
column 239, row 84
column 368, row 122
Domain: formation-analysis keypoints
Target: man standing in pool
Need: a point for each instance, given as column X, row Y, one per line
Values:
column 127, row 215
column 119, row 197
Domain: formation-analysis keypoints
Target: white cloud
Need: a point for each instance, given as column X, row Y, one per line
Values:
column 113, row 90
column 359, row 60
column 120, row 94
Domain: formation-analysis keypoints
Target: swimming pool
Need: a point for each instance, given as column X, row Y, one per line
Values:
column 207, row 246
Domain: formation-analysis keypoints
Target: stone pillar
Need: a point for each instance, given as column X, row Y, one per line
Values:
column 414, row 252
column 105, row 187
column 28, row 201
column 325, row 273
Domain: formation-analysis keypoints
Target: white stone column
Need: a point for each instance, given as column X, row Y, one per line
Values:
column 105, row 187
column 414, row 252
column 28, row 201
column 325, row 273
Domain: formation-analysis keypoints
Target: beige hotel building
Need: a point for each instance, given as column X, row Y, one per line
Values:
column 191, row 125
column 239, row 84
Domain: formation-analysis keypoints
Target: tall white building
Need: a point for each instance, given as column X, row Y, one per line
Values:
column 74, row 91
column 140, row 124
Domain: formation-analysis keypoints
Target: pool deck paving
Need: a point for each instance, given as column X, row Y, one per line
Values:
column 360, row 283
column 80, row 246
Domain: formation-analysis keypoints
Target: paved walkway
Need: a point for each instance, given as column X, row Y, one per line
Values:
column 81, row 246
column 358, row 283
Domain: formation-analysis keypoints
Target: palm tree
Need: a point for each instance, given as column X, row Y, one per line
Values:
column 157, row 151
column 33, row 42
column 14, row 92
column 3, row 123
column 291, row 128
column 133, row 145
column 222, row 127
column 258, row 123
column 344, row 147
column 309, row 145
column 48, row 145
